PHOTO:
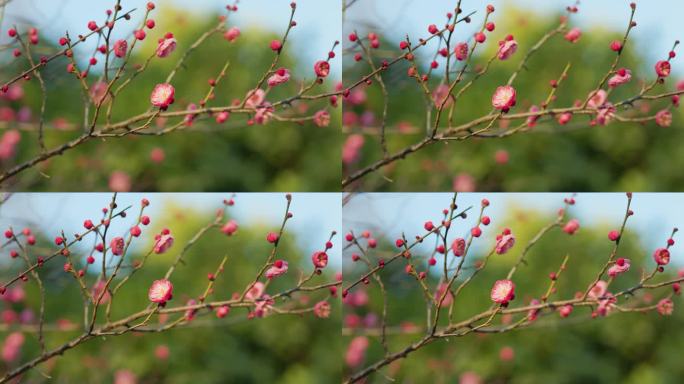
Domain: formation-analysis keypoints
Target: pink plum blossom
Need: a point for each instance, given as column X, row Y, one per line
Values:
column 622, row 76
column 502, row 292
column 463, row 182
column 458, row 247
column 263, row 306
column 320, row 259
column 163, row 243
column 278, row 268
column 507, row 49
column 573, row 35
column 280, row 76
column 264, row 113
column 448, row 298
column 532, row 314
column 322, row 118
column 532, row 119
column 160, row 291
column 166, row 47
column 606, row 113
column 665, row 307
column 117, row 246
column 255, row 98
column 661, row 256
column 621, row 266
column 120, row 48
column 322, row 309
column 597, row 99
column 12, row 347
column 441, row 96
column 505, row 243
column 322, row 69
column 352, row 148
column 232, row 34
column 663, row 68
column 504, row 98
column 571, row 227
column 230, row 228
column 663, row 118
column 255, row 291
column 461, row 51
column 606, row 304
column 163, row 95
column 598, row 290
column 565, row 310
column 356, row 351
column 119, row 181
column 8, row 144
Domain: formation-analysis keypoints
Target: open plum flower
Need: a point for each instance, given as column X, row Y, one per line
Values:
column 160, row 292
column 503, row 292
column 163, row 95
column 163, row 242
column 278, row 268
column 166, row 46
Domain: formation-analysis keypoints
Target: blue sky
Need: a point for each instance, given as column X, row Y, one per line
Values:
column 319, row 21
column 316, row 215
column 655, row 213
column 659, row 22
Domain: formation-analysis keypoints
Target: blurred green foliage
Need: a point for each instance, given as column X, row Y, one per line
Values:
column 210, row 157
column 284, row 349
column 551, row 157
column 621, row 348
